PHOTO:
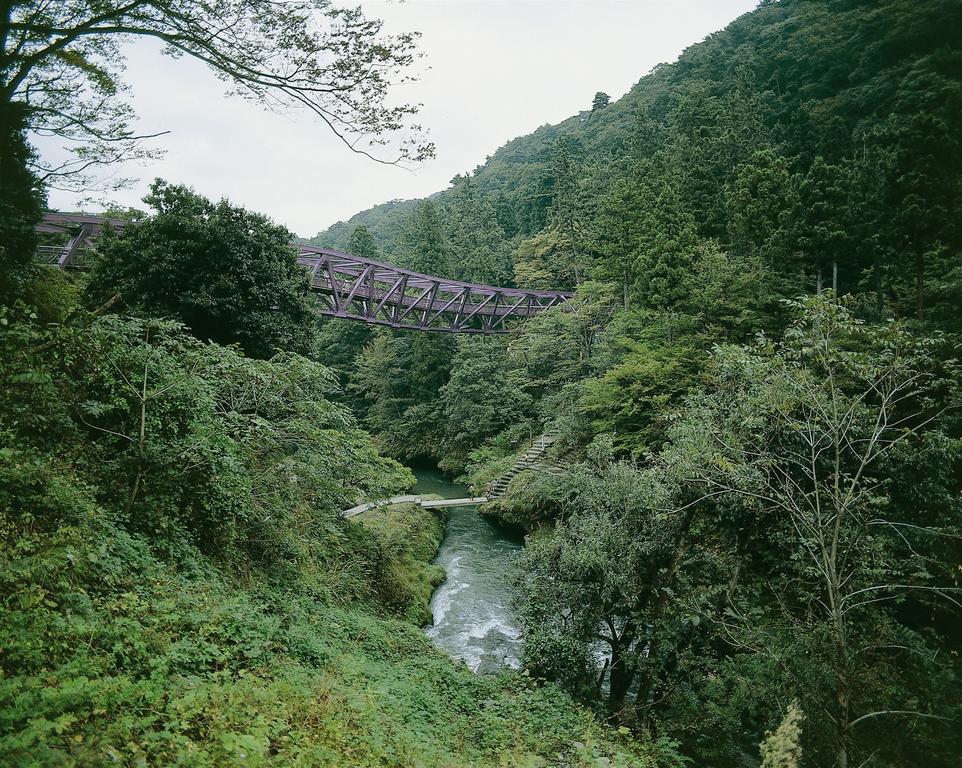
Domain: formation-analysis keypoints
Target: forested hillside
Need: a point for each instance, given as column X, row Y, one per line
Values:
column 836, row 118
column 748, row 548
column 382, row 221
column 756, row 525
column 178, row 585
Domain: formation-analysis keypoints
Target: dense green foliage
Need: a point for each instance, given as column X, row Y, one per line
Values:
column 748, row 553
column 362, row 243
column 408, row 536
column 386, row 229
column 754, row 547
column 230, row 275
column 799, row 529
column 805, row 133
column 808, row 144
column 144, row 665
column 178, row 586
column 21, row 201
column 242, row 458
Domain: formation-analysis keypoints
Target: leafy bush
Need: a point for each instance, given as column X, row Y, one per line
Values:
column 532, row 500
column 177, row 586
column 407, row 539
column 229, row 274
column 246, row 459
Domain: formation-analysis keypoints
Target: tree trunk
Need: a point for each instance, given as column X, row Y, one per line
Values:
column 21, row 202
column 647, row 679
column 6, row 13
column 622, row 671
column 141, row 441
column 919, row 284
column 839, row 628
column 842, row 685
column 646, row 683
column 841, row 758
column 575, row 260
column 141, row 434
column 877, row 284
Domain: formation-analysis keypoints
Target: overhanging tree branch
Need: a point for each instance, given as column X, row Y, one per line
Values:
column 64, row 62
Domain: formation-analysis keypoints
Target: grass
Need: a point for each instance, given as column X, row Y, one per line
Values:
column 408, row 538
column 111, row 655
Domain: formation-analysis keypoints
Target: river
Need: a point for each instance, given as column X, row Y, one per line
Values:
column 473, row 620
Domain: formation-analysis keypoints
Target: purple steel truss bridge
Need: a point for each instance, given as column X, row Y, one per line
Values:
column 355, row 288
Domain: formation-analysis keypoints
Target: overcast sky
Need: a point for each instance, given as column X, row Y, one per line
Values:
column 493, row 70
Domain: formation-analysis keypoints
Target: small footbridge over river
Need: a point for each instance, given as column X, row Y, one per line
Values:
column 531, row 460
column 349, row 286
column 410, row 499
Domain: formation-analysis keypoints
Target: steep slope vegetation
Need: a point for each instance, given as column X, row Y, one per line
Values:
column 382, row 221
column 838, row 82
column 177, row 586
column 764, row 240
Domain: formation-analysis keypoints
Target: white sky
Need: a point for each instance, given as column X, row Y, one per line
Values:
column 493, row 70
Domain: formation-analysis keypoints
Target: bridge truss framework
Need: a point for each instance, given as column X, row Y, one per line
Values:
column 356, row 288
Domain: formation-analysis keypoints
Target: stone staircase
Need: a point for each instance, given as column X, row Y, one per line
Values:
column 530, row 459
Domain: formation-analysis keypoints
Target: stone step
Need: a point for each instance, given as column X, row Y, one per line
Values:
column 529, row 460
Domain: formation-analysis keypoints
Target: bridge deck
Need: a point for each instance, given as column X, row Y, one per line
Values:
column 355, row 288
column 419, row 500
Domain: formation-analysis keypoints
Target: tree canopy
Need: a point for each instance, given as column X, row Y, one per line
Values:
column 230, row 275
column 743, row 527
column 747, row 536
